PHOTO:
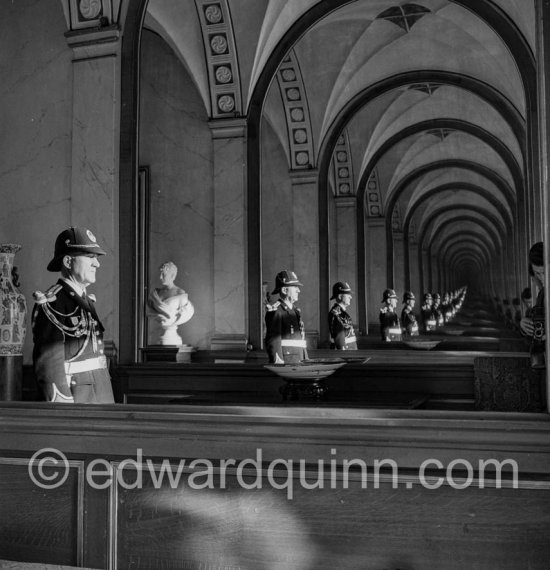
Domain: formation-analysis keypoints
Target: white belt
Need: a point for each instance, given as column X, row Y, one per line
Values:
column 350, row 339
column 394, row 331
column 431, row 323
column 96, row 363
column 295, row 343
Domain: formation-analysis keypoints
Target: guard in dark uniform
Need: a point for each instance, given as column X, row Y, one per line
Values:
column 390, row 327
column 340, row 324
column 437, row 310
column 68, row 356
column 447, row 308
column 285, row 339
column 429, row 321
column 408, row 318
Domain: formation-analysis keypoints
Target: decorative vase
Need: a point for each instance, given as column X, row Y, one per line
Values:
column 13, row 307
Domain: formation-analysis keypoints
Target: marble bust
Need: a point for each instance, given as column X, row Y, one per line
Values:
column 169, row 305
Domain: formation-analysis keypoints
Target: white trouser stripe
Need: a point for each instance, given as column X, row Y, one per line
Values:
column 96, row 363
column 294, row 343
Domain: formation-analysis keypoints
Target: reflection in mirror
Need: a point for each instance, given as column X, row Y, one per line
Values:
column 169, row 307
column 176, row 144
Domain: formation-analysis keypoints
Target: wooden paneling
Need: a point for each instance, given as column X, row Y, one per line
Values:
column 353, row 528
column 181, row 527
column 387, row 375
column 38, row 525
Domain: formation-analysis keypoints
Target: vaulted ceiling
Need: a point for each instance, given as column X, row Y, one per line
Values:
column 429, row 98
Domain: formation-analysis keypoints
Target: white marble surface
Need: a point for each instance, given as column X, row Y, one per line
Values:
column 36, row 94
column 277, row 217
column 306, row 248
column 176, row 143
column 376, row 262
column 398, row 265
column 346, row 238
column 229, row 236
column 94, row 173
column 415, row 272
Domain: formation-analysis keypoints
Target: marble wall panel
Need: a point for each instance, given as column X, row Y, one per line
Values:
column 376, row 266
column 415, row 272
column 94, row 173
column 347, row 247
column 306, row 248
column 398, row 265
column 35, row 139
column 229, row 235
column 277, row 216
column 176, row 144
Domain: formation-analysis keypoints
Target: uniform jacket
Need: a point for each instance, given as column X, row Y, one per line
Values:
column 408, row 321
column 340, row 326
column 283, row 323
column 66, row 328
column 438, row 315
column 390, row 327
column 429, row 318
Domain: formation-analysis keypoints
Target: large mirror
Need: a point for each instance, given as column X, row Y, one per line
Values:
column 379, row 143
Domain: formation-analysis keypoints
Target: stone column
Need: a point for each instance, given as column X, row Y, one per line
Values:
column 95, row 39
column 346, row 239
column 230, row 291
column 305, row 207
column 376, row 266
column 398, row 264
column 414, row 270
column 423, row 276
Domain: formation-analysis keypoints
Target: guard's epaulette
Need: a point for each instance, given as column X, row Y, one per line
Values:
column 47, row 297
column 337, row 309
column 383, row 309
column 273, row 307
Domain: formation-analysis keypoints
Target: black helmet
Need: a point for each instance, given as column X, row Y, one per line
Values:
column 388, row 294
column 285, row 278
column 340, row 288
column 73, row 241
column 408, row 296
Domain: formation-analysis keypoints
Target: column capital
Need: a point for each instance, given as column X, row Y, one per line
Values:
column 306, row 176
column 228, row 128
column 376, row 222
column 345, row 201
column 99, row 38
column 92, row 23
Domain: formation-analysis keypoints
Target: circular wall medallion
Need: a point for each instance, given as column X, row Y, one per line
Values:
column 300, row 136
column 297, row 115
column 342, row 156
column 343, row 172
column 218, row 44
column 223, row 74
column 90, row 9
column 341, row 140
column 226, row 103
column 288, row 74
column 344, row 188
column 373, row 197
column 372, row 185
column 302, row 158
column 293, row 94
column 213, row 14
column 375, row 210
